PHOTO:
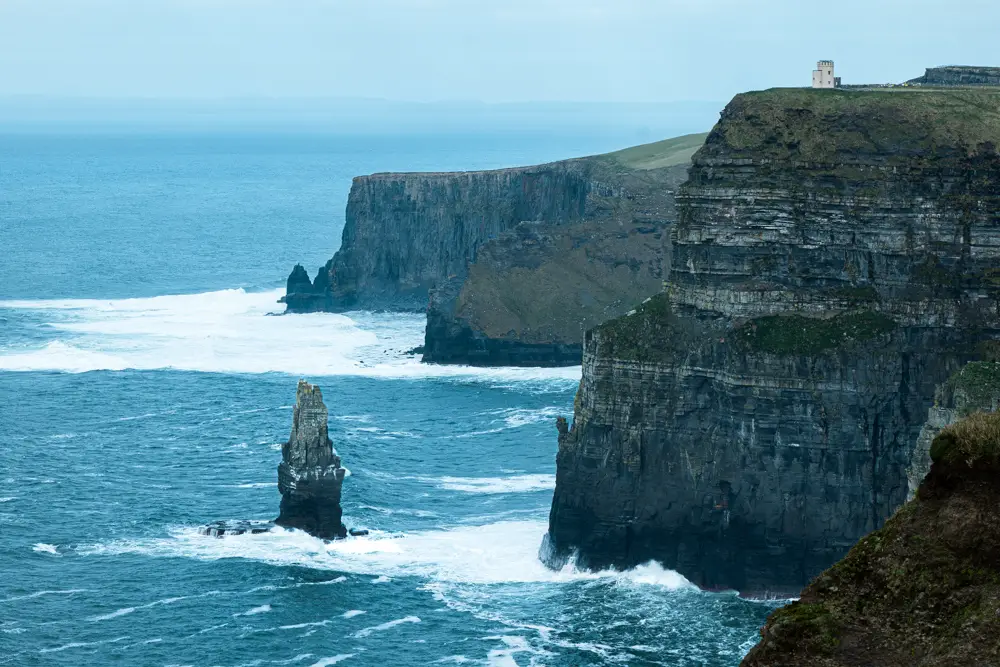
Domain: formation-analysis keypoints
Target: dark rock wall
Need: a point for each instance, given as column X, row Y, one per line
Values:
column 405, row 232
column 310, row 475
column 960, row 76
column 833, row 262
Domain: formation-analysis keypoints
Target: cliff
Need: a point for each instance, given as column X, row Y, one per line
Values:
column 310, row 475
column 960, row 75
column 512, row 265
column 924, row 590
column 832, row 264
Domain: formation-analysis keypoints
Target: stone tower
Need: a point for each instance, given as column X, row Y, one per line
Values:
column 823, row 75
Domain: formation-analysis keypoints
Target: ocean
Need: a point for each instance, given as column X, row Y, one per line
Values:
column 146, row 390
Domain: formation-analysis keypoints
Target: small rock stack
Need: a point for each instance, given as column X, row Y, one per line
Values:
column 310, row 475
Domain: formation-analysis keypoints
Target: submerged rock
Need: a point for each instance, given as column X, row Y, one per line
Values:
column 223, row 528
column 310, row 475
column 925, row 589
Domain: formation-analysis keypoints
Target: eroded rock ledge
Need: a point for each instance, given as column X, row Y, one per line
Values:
column 834, row 261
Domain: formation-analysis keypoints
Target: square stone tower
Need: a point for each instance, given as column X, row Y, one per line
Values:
column 823, row 75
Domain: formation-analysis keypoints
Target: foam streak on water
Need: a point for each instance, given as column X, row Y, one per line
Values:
column 231, row 331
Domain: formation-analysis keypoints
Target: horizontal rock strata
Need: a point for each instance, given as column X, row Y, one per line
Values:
column 310, row 475
column 833, row 262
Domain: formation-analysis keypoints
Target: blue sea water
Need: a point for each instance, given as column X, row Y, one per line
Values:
column 145, row 391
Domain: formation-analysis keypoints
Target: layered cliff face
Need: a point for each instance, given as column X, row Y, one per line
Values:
column 923, row 591
column 513, row 265
column 310, row 475
column 961, row 75
column 834, row 261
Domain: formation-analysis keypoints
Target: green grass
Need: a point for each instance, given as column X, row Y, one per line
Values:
column 979, row 381
column 795, row 334
column 974, row 439
column 666, row 153
column 827, row 126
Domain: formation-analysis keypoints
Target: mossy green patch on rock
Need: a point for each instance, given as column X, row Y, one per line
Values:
column 795, row 334
column 643, row 335
column 976, row 385
column 975, row 439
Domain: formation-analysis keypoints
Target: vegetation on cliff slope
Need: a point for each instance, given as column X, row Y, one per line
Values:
column 976, row 384
column 836, row 126
column 795, row 334
column 925, row 589
column 659, row 154
column 644, row 334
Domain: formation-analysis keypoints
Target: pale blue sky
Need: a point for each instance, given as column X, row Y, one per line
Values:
column 501, row 51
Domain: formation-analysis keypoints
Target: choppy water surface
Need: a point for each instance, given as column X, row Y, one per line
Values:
column 133, row 412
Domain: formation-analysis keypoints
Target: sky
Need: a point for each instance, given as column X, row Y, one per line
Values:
column 497, row 51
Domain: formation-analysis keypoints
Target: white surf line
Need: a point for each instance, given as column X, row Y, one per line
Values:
column 66, row 647
column 364, row 632
column 39, row 594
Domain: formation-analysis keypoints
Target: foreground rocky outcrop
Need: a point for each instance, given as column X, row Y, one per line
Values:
column 924, row 590
column 512, row 265
column 834, row 261
column 310, row 474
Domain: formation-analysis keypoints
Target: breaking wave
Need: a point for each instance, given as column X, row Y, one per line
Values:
column 230, row 331
column 502, row 552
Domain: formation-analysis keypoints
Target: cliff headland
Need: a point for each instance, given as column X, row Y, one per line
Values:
column 511, row 265
column 833, row 263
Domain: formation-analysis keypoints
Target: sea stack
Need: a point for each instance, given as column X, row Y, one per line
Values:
column 310, row 475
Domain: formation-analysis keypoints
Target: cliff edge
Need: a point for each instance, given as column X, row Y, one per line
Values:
column 512, row 265
column 924, row 590
column 834, row 261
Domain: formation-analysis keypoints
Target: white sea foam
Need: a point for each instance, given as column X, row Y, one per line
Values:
column 8, row 499
column 385, row 626
column 502, row 552
column 43, row 548
column 326, row 662
column 514, row 484
column 262, row 609
column 252, row 485
column 352, row 613
column 229, row 331
column 115, row 614
column 66, row 647
column 38, row 594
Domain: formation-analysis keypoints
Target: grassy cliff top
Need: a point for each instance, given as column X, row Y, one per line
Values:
column 923, row 590
column 826, row 125
column 666, row 153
